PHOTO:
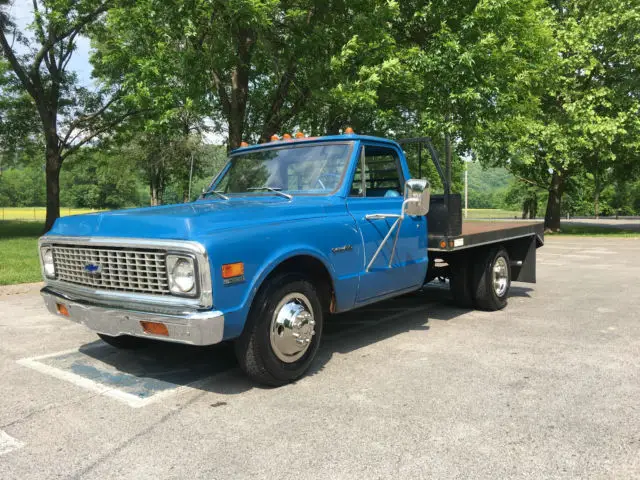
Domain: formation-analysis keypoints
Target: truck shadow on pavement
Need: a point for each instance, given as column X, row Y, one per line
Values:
column 160, row 367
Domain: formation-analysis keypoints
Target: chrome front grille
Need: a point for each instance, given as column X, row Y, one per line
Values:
column 118, row 269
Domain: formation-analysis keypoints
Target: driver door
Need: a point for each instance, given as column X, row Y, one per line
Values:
column 378, row 188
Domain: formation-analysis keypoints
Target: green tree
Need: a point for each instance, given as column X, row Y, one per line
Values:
column 100, row 179
column 256, row 62
column 70, row 115
column 587, row 118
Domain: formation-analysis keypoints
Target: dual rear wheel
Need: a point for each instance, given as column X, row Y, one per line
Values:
column 481, row 284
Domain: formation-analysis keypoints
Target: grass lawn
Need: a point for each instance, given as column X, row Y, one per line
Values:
column 36, row 214
column 594, row 231
column 491, row 213
column 19, row 252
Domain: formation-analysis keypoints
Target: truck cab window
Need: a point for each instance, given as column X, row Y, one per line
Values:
column 381, row 173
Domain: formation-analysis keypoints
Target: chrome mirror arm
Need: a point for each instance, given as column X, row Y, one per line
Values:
column 396, row 225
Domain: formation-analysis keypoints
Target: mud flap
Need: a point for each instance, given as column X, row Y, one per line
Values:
column 522, row 253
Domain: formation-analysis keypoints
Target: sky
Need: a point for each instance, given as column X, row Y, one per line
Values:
column 22, row 14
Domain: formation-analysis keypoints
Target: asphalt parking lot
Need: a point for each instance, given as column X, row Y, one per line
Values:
column 410, row 388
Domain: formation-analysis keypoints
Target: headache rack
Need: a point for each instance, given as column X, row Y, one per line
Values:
column 447, row 233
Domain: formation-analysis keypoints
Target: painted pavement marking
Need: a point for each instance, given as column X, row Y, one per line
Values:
column 136, row 378
column 8, row 443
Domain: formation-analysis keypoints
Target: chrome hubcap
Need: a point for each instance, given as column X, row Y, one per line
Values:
column 500, row 276
column 292, row 327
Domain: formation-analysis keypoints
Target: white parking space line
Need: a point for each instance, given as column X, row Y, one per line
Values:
column 107, row 390
column 131, row 400
column 8, row 443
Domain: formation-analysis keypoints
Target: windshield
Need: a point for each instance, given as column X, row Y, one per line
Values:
column 310, row 169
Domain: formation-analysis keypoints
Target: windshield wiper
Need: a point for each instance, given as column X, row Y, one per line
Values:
column 277, row 191
column 217, row 192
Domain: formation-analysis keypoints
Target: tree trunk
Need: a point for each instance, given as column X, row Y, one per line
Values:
column 240, row 87
column 54, row 163
column 153, row 188
column 552, row 216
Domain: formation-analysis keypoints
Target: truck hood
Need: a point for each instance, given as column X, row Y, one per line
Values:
column 191, row 220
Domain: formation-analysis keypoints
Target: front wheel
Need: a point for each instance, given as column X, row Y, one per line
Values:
column 492, row 280
column 283, row 330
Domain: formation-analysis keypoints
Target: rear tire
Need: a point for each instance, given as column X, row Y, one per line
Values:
column 280, row 340
column 124, row 342
column 492, row 280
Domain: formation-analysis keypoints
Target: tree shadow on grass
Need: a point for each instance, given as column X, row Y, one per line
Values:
column 20, row 229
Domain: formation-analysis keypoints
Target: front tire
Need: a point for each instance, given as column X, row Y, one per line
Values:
column 123, row 342
column 283, row 330
column 492, row 280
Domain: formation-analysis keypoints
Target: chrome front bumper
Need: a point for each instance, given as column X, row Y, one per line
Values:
column 194, row 328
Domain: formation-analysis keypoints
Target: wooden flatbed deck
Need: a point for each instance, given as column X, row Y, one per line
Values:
column 482, row 233
column 470, row 228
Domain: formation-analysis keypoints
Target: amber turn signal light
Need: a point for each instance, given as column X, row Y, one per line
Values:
column 155, row 328
column 231, row 270
column 62, row 309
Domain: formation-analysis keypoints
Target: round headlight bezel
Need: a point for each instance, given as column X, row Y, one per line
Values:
column 48, row 265
column 177, row 285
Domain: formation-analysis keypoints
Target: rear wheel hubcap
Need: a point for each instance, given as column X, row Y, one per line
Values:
column 500, row 276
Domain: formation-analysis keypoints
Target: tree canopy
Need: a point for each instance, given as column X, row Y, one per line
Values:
column 548, row 90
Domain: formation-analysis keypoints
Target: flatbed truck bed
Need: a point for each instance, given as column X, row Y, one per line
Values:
column 478, row 233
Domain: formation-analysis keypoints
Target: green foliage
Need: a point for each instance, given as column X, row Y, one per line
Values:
column 22, row 187
column 547, row 90
column 100, row 180
column 488, row 187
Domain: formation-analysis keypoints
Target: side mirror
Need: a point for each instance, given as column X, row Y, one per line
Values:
column 417, row 194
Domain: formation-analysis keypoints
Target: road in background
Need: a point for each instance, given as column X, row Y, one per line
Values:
column 632, row 224
column 410, row 388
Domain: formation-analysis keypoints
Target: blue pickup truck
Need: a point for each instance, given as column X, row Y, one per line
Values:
column 287, row 233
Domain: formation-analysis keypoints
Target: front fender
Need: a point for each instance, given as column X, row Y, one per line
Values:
column 263, row 249
column 283, row 255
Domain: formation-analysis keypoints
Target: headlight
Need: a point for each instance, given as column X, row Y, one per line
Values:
column 47, row 262
column 182, row 275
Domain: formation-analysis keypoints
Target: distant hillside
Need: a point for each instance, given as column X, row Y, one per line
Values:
column 487, row 187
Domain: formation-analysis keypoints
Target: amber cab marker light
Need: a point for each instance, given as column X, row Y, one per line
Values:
column 300, row 135
column 155, row 328
column 62, row 309
column 348, row 131
column 231, row 270
column 286, row 136
column 274, row 138
column 244, row 144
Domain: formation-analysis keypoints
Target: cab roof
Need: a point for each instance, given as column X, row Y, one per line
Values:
column 350, row 137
